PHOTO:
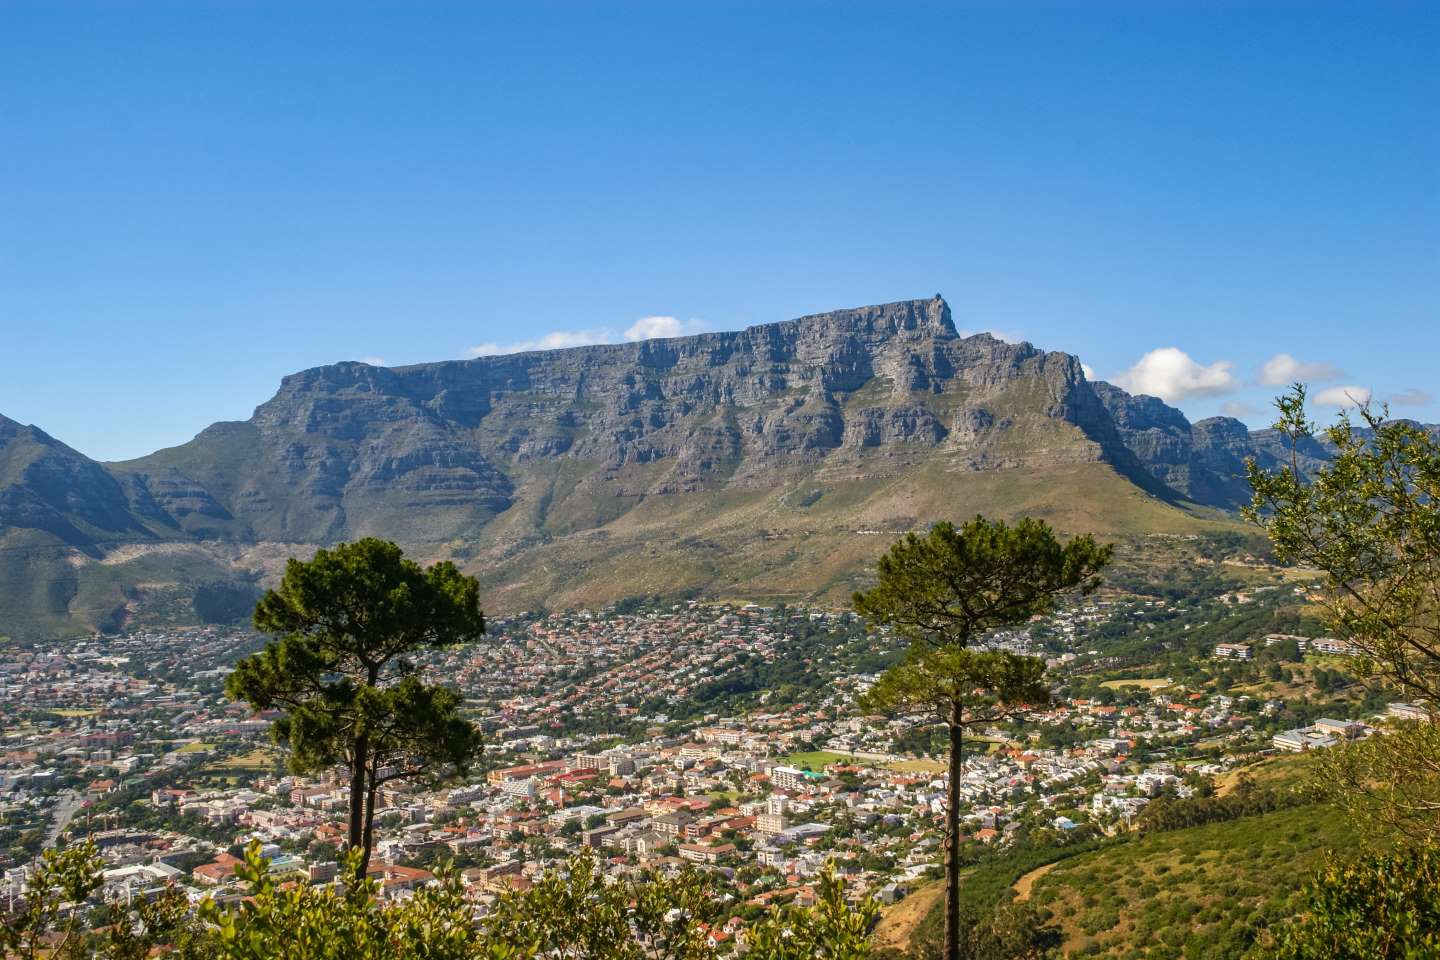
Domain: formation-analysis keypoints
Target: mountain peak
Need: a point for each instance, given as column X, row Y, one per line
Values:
column 906, row 318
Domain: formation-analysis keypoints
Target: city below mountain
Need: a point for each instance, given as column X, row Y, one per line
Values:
column 773, row 462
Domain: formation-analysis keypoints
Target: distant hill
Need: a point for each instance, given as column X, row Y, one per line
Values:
column 773, row 461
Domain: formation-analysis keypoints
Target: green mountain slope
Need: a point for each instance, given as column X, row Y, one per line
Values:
column 1210, row 891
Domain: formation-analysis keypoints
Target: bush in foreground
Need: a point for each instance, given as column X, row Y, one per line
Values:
column 577, row 914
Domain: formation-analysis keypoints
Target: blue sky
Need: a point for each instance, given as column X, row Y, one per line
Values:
column 199, row 197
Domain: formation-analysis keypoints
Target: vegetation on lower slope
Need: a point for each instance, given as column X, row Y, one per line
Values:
column 780, row 544
column 1211, row 891
column 1214, row 891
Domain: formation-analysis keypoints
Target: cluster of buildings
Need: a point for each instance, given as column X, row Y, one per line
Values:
column 1328, row 646
column 594, row 742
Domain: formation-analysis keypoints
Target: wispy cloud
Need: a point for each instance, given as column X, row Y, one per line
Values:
column 374, row 361
column 649, row 328
column 646, row 328
column 554, row 340
column 1171, row 374
column 1410, row 398
column 1345, row 396
column 1283, row 369
column 1233, row 408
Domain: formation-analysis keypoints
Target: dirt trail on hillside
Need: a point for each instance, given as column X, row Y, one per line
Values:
column 1025, row 884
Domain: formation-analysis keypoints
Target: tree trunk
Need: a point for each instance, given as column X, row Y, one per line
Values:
column 369, row 842
column 359, row 767
column 952, row 836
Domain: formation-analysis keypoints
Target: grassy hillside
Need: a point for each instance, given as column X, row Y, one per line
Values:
column 1208, row 892
column 1204, row 892
column 49, row 589
column 815, row 541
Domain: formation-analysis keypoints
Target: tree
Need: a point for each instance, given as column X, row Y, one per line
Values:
column 952, row 586
column 947, row 589
column 576, row 912
column 1369, row 522
column 833, row 929
column 960, row 688
column 345, row 921
column 348, row 623
column 53, row 895
column 1378, row 907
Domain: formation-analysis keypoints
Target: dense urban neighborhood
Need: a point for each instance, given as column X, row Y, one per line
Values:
column 660, row 736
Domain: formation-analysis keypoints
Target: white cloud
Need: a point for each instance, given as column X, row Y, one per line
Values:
column 1347, row 396
column 374, row 361
column 1170, row 374
column 554, row 340
column 646, row 328
column 1282, row 370
column 1239, row 411
column 1411, row 398
column 1088, row 370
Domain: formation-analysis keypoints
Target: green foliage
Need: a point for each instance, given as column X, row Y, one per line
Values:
column 64, row 880
column 1215, row 890
column 341, row 922
column 951, row 586
column 1391, row 780
column 1007, row 931
column 1246, row 800
column 978, row 687
column 224, row 601
column 573, row 914
column 1370, row 522
column 1378, row 907
column 348, row 622
column 832, row 930
column 577, row 914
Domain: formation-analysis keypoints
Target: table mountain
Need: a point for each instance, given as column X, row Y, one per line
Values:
column 776, row 460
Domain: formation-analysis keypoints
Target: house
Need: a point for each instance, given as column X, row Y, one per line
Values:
column 671, row 824
column 705, row 853
column 788, row 778
column 221, row 869
column 1301, row 739
column 1408, row 711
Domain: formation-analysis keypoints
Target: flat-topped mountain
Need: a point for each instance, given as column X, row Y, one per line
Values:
column 776, row 460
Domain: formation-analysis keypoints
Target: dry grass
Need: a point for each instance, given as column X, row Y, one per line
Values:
column 1154, row 683
column 899, row 922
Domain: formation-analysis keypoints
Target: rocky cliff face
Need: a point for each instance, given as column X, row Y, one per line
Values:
column 437, row 450
column 1204, row 461
column 781, row 443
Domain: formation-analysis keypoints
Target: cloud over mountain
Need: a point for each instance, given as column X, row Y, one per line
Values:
column 646, row 328
column 1171, row 374
column 1283, row 369
column 1411, row 398
column 1342, row 396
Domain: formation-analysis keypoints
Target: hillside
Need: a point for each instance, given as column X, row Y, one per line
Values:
column 1207, row 891
column 774, row 461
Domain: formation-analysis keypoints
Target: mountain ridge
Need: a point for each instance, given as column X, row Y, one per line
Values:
column 554, row 474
